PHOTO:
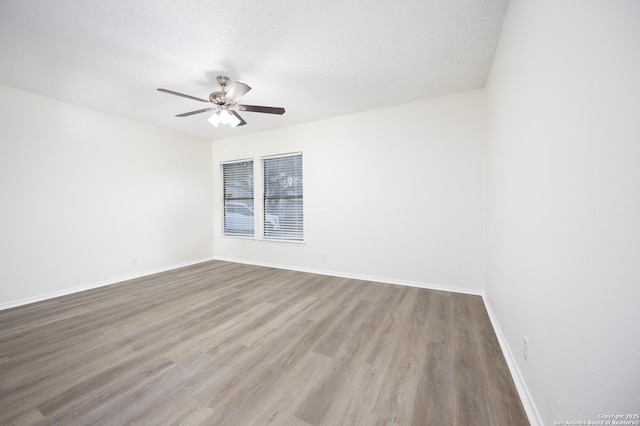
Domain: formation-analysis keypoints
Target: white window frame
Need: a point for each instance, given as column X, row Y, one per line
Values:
column 258, row 200
column 247, row 201
column 264, row 198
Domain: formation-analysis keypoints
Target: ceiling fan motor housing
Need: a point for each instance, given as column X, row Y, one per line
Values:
column 217, row 98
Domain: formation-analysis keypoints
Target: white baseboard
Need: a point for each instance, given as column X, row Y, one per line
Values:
column 521, row 386
column 89, row 286
column 384, row 280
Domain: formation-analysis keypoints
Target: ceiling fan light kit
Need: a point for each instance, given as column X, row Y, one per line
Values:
column 224, row 117
column 225, row 104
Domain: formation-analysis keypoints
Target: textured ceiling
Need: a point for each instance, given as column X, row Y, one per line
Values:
column 318, row 59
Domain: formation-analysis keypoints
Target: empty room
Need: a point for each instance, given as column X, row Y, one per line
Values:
column 416, row 212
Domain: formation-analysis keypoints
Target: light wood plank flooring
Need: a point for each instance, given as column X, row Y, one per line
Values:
column 227, row 344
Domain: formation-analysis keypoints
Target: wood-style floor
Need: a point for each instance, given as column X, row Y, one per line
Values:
column 227, row 344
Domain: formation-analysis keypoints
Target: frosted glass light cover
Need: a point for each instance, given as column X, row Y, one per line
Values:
column 215, row 119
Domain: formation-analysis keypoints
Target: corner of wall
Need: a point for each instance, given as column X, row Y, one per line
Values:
column 523, row 391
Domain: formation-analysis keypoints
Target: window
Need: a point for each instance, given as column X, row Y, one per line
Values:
column 282, row 197
column 237, row 181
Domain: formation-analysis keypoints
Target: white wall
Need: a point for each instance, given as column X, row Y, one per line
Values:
column 563, row 202
column 82, row 192
column 394, row 194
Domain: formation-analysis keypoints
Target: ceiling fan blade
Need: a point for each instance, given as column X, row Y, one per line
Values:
column 186, row 114
column 171, row 92
column 242, row 122
column 236, row 91
column 266, row 109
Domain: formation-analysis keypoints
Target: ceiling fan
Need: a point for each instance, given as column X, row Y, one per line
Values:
column 225, row 103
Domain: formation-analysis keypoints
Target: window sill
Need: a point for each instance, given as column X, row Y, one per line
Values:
column 238, row 237
column 263, row 240
column 274, row 240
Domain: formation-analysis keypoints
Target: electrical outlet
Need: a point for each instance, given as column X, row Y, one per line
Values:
column 134, row 261
column 324, row 257
column 525, row 349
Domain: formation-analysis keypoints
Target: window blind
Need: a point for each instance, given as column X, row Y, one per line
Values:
column 237, row 181
column 283, row 198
